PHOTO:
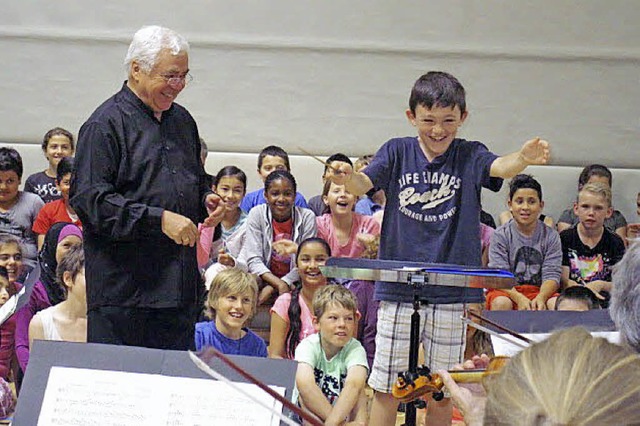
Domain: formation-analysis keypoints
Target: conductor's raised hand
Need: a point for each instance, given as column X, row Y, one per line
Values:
column 216, row 208
column 535, row 152
column 339, row 172
column 179, row 228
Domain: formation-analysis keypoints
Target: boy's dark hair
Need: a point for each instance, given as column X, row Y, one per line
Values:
column 4, row 274
column 55, row 132
column 437, row 88
column 292, row 337
column 228, row 171
column 10, row 159
column 594, row 170
column 65, row 166
column 72, row 262
column 523, row 181
column 579, row 293
column 274, row 151
column 280, row 174
column 336, row 157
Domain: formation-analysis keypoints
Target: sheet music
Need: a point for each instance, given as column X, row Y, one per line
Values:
column 78, row 396
column 502, row 347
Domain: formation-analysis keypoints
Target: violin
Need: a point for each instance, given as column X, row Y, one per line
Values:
column 410, row 386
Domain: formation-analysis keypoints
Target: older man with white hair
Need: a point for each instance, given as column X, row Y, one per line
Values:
column 140, row 189
column 624, row 307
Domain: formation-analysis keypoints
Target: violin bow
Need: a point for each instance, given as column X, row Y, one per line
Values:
column 202, row 362
column 499, row 327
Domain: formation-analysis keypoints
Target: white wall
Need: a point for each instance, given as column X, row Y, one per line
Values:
column 335, row 76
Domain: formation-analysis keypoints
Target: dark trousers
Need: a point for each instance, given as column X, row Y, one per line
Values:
column 168, row 328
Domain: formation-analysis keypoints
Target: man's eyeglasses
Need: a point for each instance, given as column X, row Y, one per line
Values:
column 176, row 80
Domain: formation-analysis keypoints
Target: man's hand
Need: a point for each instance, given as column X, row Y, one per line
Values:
column 215, row 208
column 535, row 151
column 179, row 228
column 469, row 398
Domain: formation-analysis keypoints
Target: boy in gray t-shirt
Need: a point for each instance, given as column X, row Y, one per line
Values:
column 18, row 210
column 528, row 248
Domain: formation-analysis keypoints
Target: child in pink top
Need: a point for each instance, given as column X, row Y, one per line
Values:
column 344, row 229
column 292, row 321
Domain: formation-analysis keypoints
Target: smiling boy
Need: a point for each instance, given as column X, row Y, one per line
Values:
column 332, row 365
column 528, row 248
column 432, row 183
column 56, row 145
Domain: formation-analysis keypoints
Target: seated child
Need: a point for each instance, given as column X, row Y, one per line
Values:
column 66, row 321
column 374, row 200
column 219, row 246
column 291, row 318
column 595, row 173
column 528, row 248
column 273, row 231
column 57, row 210
column 589, row 249
column 11, row 262
column 7, row 352
column 231, row 304
column 332, row 365
column 18, row 210
column 47, row 291
column 270, row 159
column 341, row 227
column 577, row 298
column 316, row 204
column 56, row 144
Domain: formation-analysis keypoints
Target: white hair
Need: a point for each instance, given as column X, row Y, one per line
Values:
column 625, row 296
column 147, row 43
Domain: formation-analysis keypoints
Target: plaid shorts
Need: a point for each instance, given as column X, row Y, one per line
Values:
column 442, row 334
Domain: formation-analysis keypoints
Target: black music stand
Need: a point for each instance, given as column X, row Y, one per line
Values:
column 416, row 275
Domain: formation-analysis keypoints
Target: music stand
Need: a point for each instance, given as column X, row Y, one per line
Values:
column 416, row 275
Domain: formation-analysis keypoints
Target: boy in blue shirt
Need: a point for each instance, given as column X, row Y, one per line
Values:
column 432, row 183
column 270, row 159
column 231, row 302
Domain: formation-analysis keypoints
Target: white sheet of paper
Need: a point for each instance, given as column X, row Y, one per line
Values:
column 78, row 396
column 9, row 307
column 502, row 347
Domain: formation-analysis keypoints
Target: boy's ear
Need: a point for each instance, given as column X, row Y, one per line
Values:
column 325, row 200
column 358, row 315
column 541, row 205
column 411, row 117
column 464, row 116
column 316, row 323
column 609, row 212
column 575, row 208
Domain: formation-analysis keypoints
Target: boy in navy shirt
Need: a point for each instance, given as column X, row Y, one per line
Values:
column 432, row 183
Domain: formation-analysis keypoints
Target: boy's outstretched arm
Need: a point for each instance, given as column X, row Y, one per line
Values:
column 311, row 395
column 357, row 183
column 349, row 396
column 533, row 152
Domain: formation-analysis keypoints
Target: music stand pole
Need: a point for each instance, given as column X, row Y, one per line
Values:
column 416, row 281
